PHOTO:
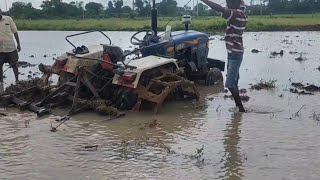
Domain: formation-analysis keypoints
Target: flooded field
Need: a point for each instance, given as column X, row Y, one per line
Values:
column 278, row 138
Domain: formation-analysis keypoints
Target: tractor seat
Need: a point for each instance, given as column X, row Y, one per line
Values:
column 81, row 50
column 114, row 52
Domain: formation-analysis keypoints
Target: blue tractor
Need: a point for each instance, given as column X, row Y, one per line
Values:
column 189, row 47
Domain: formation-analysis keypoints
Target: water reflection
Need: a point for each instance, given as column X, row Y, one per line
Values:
column 233, row 158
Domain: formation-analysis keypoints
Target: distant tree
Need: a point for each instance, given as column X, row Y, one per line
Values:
column 57, row 8
column 110, row 8
column 23, row 10
column 126, row 9
column 94, row 8
column 118, row 5
column 167, row 7
column 110, row 5
column 139, row 5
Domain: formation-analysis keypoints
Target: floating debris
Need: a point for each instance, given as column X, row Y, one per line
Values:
column 307, row 87
column 91, row 146
column 298, row 85
column 154, row 123
column 296, row 91
column 32, row 56
column 300, row 58
column 199, row 105
column 264, row 85
column 26, row 123
column 318, row 68
column 315, row 116
column 23, row 64
column 312, row 88
column 199, row 155
column 101, row 106
column 293, row 52
column 274, row 53
column 286, row 41
column 255, row 51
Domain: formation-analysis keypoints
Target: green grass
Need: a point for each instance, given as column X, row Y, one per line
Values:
column 208, row 24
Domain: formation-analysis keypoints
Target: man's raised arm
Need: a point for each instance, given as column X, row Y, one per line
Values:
column 214, row 6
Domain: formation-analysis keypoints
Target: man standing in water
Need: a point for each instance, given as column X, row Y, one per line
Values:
column 8, row 49
column 236, row 22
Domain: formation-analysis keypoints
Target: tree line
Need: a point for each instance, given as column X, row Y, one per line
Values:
column 55, row 9
column 285, row 7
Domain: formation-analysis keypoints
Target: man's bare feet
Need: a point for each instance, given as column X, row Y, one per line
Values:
column 241, row 109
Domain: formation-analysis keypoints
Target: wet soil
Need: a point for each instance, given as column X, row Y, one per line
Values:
column 264, row 85
column 23, row 64
column 100, row 106
column 308, row 87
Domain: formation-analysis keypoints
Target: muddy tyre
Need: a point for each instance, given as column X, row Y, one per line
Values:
column 214, row 75
column 64, row 77
column 125, row 99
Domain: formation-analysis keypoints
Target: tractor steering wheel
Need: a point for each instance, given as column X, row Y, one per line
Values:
column 149, row 34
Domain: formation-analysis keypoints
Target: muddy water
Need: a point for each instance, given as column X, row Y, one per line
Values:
column 270, row 141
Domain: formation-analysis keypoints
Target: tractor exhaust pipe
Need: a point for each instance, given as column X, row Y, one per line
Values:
column 154, row 18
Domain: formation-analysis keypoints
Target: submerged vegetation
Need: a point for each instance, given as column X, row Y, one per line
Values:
column 262, row 84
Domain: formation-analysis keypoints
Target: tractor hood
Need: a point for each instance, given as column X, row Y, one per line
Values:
column 192, row 37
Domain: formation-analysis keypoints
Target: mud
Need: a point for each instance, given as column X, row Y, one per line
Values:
column 296, row 91
column 23, row 64
column 101, row 106
column 286, row 41
column 264, row 85
column 275, row 53
column 242, row 91
column 244, row 98
column 23, row 85
column 294, row 52
column 255, row 51
column 308, row 87
column 152, row 124
column 300, row 58
column 31, row 91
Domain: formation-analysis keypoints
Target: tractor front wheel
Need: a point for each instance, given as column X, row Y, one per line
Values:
column 214, row 75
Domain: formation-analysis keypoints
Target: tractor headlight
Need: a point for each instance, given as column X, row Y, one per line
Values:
column 186, row 19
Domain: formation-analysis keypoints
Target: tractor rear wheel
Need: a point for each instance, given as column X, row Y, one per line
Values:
column 214, row 75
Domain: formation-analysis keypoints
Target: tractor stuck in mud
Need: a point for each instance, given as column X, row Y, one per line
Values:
column 105, row 79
